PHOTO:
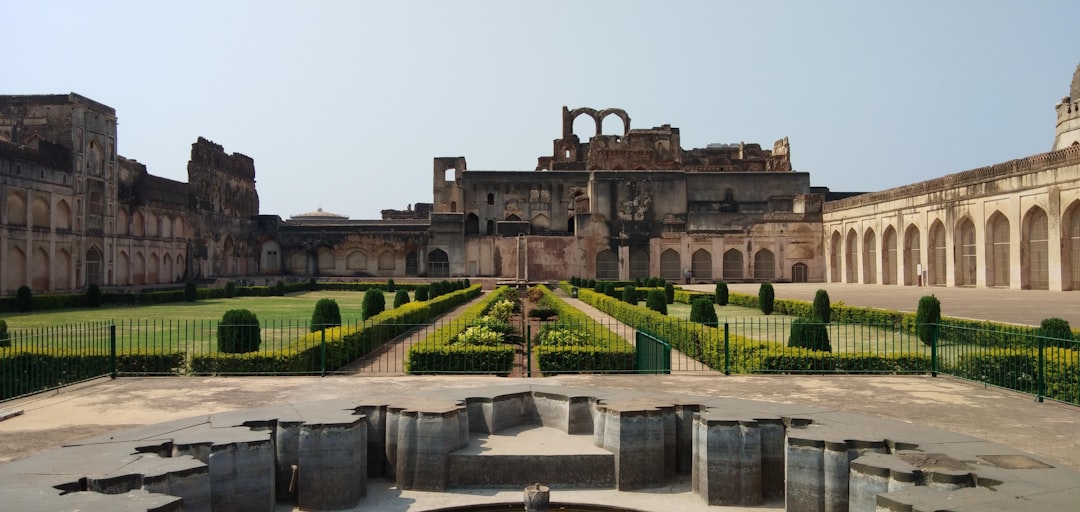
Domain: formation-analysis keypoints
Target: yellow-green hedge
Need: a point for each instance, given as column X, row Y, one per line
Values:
column 435, row 354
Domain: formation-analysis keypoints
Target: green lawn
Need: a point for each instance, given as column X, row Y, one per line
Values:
column 189, row 326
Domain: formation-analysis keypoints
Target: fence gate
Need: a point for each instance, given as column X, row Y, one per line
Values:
column 653, row 355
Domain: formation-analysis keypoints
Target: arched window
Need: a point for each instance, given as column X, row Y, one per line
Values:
column 15, row 268
column 851, row 257
column 997, row 251
column 490, row 227
column 122, row 270
column 40, row 268
column 670, row 268
column 834, row 258
column 888, row 256
column 453, row 206
column 701, row 264
column 356, row 261
column 490, row 198
column 438, row 264
column 607, row 265
column 472, row 224
column 411, row 263
column 799, row 272
column 639, row 264
column 764, row 265
column 869, row 257
column 387, row 262
column 966, row 265
column 1037, row 250
column 733, row 265
column 153, row 268
column 1070, row 260
column 938, row 257
column 40, row 212
column 912, row 256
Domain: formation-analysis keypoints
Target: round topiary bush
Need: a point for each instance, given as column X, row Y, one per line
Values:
column 421, row 293
column 326, row 314
column 669, row 293
column 629, row 294
column 5, row 337
column 656, row 301
column 822, row 308
column 191, row 291
column 93, row 296
column 239, row 332
column 230, row 289
column 766, row 298
column 810, row 334
column 1058, row 332
column 703, row 312
column 374, row 303
column 721, row 293
column 401, row 298
column 927, row 317
column 24, row 299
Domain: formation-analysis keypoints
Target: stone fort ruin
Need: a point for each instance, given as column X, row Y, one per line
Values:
column 624, row 206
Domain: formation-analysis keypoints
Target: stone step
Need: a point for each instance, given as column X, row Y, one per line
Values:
column 526, row 454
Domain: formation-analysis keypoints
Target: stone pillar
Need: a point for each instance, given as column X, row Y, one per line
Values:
column 636, row 437
column 333, row 465
column 873, row 474
column 805, row 474
column 242, row 476
column 727, row 460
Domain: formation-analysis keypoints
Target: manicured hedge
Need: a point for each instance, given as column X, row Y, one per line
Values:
column 601, row 350
column 436, row 353
column 25, row 371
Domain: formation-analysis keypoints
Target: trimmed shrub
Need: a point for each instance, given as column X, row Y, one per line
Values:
column 279, row 288
column 239, row 332
column 374, row 303
column 390, row 286
column 93, row 296
column 465, row 283
column 629, row 294
column 24, row 299
column 312, row 284
column 669, row 293
column 401, row 298
column 766, row 298
column 1058, row 329
column 657, row 301
column 822, row 309
column 191, row 291
column 810, row 334
column 702, row 312
column 927, row 316
column 639, row 283
column 230, row 289
column 326, row 314
column 421, row 293
column 591, row 283
column 721, row 293
column 5, row 338
column 543, row 313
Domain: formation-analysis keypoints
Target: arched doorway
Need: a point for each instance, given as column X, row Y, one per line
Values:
column 834, row 258
column 670, row 266
column 997, row 251
column 869, row 257
column 764, row 265
column 607, row 265
column 1035, row 257
column 93, row 267
column 411, row 264
column 851, row 257
column 701, row 264
column 733, row 265
column 888, row 256
column 438, row 264
column 966, row 264
column 912, row 256
column 799, row 272
column 639, row 264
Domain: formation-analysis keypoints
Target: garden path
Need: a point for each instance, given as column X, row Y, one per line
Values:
column 389, row 359
column 680, row 362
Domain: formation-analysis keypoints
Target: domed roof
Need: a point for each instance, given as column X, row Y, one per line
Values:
column 319, row 214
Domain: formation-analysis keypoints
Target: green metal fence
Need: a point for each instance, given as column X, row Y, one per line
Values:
column 39, row 359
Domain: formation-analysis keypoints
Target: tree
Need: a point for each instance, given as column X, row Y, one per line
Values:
column 669, row 293
column 374, row 303
column 809, row 333
column 24, row 299
column 721, row 293
column 766, row 298
column 822, row 309
column 326, row 314
column 93, row 296
column 656, row 301
column 191, row 291
column 401, row 298
column 239, row 332
column 703, row 312
column 421, row 293
column 927, row 317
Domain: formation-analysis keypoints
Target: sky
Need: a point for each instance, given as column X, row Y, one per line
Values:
column 343, row 104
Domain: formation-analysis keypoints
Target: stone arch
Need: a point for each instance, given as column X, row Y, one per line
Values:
column 733, row 264
column 490, row 229
column 123, row 269
column 1035, row 250
column 412, row 264
column 178, row 227
column 513, row 218
column 122, row 227
column 764, row 264
column 835, row 245
column 95, row 159
column 167, row 272
column 62, row 216
column 998, row 245
column 701, row 264
column 62, row 268
column 572, row 116
column 888, row 256
column 490, row 198
column 472, row 224
column 356, row 260
column 453, row 206
column 180, row 268
column 137, row 223
column 166, row 227
column 40, row 214
column 607, row 265
column 297, row 262
column 1070, row 243
column 39, row 270
column 152, row 228
column 15, row 268
column 138, row 269
column 541, row 222
column 16, row 208
column 851, row 257
column 800, row 272
column 438, row 263
column 270, row 257
column 937, row 255
column 617, row 112
column 869, row 250
column 639, row 263
column 228, row 250
column 966, row 254
column 324, row 257
column 387, row 261
column 94, row 266
column 670, row 265
column 153, row 268
column 912, row 255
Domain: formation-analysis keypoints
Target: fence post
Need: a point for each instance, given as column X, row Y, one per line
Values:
column 528, row 351
column 727, row 351
column 112, row 349
column 933, row 349
column 1040, row 382
column 322, row 354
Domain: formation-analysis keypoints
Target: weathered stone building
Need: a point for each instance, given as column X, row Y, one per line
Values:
column 604, row 206
column 1011, row 225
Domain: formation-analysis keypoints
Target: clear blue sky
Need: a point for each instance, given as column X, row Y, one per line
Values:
column 343, row 104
